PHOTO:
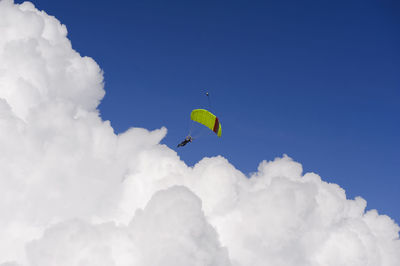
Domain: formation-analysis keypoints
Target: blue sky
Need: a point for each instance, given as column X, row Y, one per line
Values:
column 316, row 80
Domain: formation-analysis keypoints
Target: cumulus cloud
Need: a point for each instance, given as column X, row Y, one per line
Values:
column 72, row 192
column 171, row 230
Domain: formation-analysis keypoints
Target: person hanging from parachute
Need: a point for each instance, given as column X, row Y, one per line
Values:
column 185, row 141
column 206, row 118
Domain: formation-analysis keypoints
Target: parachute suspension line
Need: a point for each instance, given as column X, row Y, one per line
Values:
column 191, row 122
column 195, row 131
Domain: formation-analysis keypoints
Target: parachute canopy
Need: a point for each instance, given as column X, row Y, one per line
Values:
column 207, row 119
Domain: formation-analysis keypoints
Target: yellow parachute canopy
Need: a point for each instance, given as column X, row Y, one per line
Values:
column 206, row 118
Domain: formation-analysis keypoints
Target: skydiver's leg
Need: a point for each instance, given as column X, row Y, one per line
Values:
column 181, row 144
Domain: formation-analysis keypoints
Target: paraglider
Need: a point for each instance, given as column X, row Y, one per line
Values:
column 205, row 118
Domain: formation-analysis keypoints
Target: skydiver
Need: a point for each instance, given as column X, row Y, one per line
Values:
column 186, row 141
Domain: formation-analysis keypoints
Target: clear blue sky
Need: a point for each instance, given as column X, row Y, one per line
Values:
column 317, row 80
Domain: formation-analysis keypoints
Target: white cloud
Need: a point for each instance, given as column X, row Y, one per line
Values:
column 171, row 230
column 72, row 192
